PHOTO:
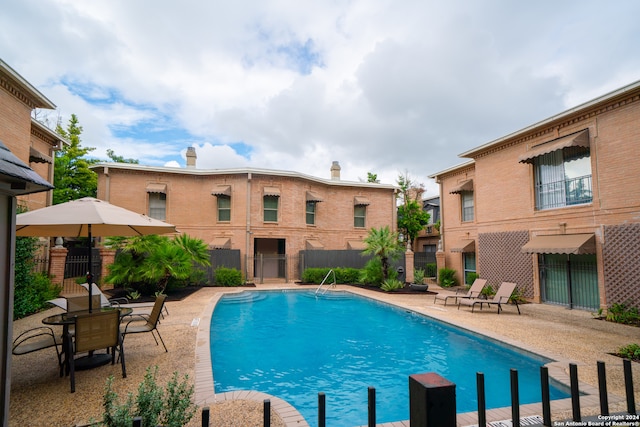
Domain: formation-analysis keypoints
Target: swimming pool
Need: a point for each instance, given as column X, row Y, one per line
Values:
column 293, row 345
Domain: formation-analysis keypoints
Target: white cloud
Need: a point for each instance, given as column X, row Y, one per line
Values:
column 380, row 86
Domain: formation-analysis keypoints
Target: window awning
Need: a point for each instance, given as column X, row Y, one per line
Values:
column 561, row 244
column 221, row 190
column 465, row 246
column 357, row 245
column 221, row 243
column 360, row 201
column 314, row 244
column 37, row 157
column 464, row 186
column 156, row 188
column 313, row 197
column 271, row 191
column 576, row 143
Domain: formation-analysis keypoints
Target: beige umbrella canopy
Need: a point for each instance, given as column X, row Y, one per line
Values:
column 88, row 217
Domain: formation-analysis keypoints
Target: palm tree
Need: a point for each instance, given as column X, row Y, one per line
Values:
column 383, row 244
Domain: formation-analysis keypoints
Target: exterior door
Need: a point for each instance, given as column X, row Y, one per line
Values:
column 569, row 280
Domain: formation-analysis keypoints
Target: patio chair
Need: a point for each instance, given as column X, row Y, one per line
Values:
column 473, row 292
column 95, row 331
column 36, row 339
column 143, row 308
column 81, row 302
column 501, row 297
column 135, row 325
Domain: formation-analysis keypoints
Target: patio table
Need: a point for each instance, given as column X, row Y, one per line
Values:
column 65, row 319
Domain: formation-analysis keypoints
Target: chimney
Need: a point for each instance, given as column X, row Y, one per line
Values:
column 335, row 171
column 191, row 157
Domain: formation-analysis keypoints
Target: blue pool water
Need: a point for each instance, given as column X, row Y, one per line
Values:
column 293, row 345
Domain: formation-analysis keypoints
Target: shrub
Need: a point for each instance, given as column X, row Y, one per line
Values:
column 347, row 275
column 471, row 277
column 343, row 275
column 228, row 276
column 631, row 351
column 371, row 274
column 430, row 269
column 621, row 313
column 314, row 275
column 447, row 277
column 488, row 291
column 391, row 285
column 170, row 407
column 418, row 276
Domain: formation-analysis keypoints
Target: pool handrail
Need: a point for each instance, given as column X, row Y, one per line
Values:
column 333, row 285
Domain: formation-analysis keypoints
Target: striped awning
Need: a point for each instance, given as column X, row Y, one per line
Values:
column 575, row 143
column 221, row 190
column 463, row 186
column 562, row 244
column 271, row 191
column 464, row 246
column 156, row 188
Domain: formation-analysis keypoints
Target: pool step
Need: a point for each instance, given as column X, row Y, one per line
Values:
column 243, row 297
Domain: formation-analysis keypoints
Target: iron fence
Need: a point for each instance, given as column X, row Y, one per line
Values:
column 434, row 404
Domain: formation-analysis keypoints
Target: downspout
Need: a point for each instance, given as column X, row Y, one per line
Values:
column 248, row 228
column 107, row 186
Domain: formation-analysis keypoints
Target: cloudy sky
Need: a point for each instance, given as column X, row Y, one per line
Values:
column 381, row 86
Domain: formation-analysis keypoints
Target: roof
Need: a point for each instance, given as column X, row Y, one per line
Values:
column 33, row 94
column 240, row 171
column 604, row 99
column 18, row 178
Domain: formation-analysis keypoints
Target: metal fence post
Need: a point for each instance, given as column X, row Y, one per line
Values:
column 628, row 385
column 575, row 391
column 322, row 410
column 205, row 416
column 267, row 413
column 602, row 387
column 432, row 401
column 372, row 407
column 482, row 407
column 546, row 396
column 515, row 399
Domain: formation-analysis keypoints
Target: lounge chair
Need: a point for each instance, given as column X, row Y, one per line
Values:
column 134, row 325
column 98, row 299
column 95, row 331
column 502, row 296
column 473, row 292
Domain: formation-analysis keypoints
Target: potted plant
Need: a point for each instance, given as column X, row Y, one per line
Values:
column 418, row 281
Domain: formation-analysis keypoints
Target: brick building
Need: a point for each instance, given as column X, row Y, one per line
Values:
column 260, row 212
column 554, row 207
column 26, row 169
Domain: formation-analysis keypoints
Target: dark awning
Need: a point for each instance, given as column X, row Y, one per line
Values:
column 156, row 188
column 464, row 186
column 561, row 244
column 313, row 197
column 37, row 157
column 466, row 245
column 221, row 190
column 575, row 143
column 271, row 191
column 361, row 201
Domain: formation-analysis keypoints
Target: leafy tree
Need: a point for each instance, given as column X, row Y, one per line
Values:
column 72, row 177
column 119, row 159
column 384, row 245
column 372, row 177
column 411, row 217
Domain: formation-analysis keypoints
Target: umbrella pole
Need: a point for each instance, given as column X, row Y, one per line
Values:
column 89, row 275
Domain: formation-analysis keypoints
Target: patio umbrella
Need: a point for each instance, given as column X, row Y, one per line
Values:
column 88, row 217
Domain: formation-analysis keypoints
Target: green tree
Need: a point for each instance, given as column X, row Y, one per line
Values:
column 384, row 245
column 119, row 159
column 411, row 217
column 72, row 177
column 372, row 177
column 148, row 263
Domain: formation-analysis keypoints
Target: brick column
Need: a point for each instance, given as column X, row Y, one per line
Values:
column 440, row 261
column 408, row 265
column 57, row 261
column 108, row 256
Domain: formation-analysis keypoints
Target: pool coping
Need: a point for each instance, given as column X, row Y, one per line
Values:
column 204, row 379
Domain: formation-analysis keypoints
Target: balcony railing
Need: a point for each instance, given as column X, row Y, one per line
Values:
column 567, row 192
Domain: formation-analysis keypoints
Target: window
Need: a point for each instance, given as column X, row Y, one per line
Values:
column 359, row 215
column 562, row 179
column 270, row 208
column 311, row 212
column 466, row 199
column 469, row 261
column 158, row 206
column 224, row 208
